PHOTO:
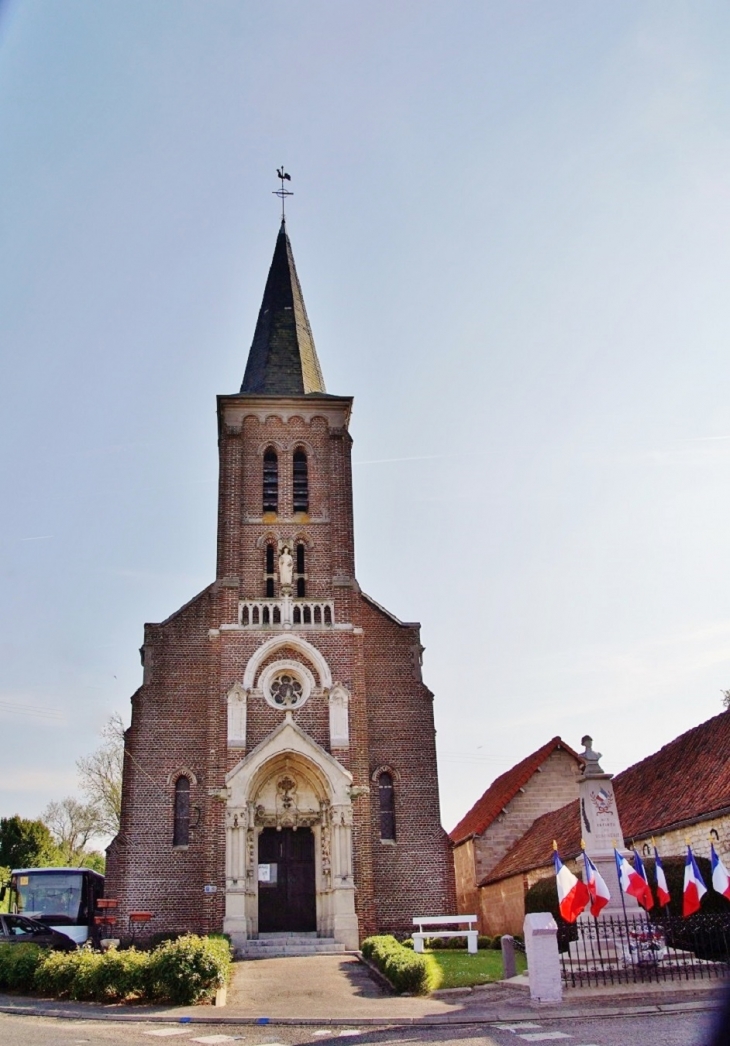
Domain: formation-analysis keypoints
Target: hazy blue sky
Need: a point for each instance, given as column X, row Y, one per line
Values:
column 512, row 226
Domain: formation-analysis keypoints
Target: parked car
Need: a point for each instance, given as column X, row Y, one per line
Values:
column 19, row 929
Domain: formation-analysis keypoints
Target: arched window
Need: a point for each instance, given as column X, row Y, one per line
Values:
column 271, row 481
column 270, row 570
column 386, row 799
column 300, row 482
column 301, row 580
column 181, row 833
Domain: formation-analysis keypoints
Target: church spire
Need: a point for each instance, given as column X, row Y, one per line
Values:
column 282, row 360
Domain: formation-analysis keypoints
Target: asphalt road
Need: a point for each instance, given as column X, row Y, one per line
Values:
column 683, row 1029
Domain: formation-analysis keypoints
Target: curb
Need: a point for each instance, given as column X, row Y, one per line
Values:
column 495, row 1017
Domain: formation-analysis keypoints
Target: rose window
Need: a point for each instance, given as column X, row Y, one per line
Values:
column 286, row 690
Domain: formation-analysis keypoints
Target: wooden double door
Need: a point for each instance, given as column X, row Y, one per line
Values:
column 287, row 895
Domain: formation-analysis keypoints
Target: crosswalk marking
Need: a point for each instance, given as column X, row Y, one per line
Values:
column 544, row 1036
column 522, row 1026
column 161, row 1032
column 214, row 1038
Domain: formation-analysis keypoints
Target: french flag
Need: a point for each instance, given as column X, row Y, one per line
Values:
column 573, row 893
column 597, row 888
column 661, row 880
column 639, row 867
column 632, row 883
column 720, row 877
column 694, row 887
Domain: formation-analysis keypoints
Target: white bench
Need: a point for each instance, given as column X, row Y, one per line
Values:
column 445, row 920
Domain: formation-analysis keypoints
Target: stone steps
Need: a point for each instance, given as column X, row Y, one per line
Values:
column 280, row 945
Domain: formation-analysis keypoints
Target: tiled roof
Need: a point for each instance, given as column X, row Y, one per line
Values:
column 282, row 360
column 684, row 781
column 505, row 788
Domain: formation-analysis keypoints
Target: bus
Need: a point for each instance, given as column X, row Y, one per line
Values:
column 62, row 898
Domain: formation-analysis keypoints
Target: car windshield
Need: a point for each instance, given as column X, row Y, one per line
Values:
column 51, row 896
column 17, row 926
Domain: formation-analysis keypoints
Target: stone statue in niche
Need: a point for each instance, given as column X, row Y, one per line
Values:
column 286, row 567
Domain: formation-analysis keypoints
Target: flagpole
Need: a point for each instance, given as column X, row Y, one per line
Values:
column 623, row 905
column 595, row 917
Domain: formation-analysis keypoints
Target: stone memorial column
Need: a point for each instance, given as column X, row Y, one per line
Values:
column 601, row 829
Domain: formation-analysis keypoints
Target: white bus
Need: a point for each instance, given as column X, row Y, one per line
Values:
column 62, row 898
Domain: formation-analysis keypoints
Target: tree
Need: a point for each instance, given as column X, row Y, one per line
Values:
column 72, row 825
column 25, row 843
column 725, row 698
column 101, row 776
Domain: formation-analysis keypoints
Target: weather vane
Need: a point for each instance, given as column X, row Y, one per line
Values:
column 282, row 193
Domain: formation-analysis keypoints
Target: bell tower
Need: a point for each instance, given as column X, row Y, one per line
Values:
column 280, row 769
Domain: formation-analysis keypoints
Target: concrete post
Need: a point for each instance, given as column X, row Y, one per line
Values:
column 543, row 962
column 509, row 965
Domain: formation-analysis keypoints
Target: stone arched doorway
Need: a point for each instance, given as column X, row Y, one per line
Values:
column 289, row 798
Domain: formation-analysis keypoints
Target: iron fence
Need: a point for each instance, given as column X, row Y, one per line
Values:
column 634, row 949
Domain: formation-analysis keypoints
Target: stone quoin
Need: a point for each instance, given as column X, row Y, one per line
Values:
column 280, row 767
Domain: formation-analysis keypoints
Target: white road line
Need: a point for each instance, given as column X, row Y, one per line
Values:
column 543, row 1036
column 214, row 1038
column 348, row 1032
column 163, row 1032
column 522, row 1026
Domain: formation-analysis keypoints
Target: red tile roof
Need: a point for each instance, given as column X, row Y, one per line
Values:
column 683, row 782
column 505, row 788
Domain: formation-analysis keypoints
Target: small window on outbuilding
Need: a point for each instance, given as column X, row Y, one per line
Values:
column 386, row 799
column 271, row 481
column 181, row 833
column 300, row 482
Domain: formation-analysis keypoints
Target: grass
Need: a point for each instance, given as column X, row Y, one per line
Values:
column 459, row 969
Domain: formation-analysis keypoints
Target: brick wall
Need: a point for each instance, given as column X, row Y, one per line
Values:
column 554, row 785
column 549, row 788
column 674, row 844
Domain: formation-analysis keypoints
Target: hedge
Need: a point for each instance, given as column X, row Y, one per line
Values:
column 406, row 971
column 181, row 972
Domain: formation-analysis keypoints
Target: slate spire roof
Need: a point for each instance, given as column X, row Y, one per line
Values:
column 282, row 360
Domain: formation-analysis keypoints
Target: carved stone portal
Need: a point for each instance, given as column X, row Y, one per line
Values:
column 291, row 782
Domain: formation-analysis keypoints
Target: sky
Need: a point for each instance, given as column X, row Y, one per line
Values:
column 511, row 223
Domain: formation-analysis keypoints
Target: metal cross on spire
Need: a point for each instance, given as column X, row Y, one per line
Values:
column 282, row 193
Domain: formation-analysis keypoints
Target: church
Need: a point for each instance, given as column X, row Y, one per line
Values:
column 280, row 767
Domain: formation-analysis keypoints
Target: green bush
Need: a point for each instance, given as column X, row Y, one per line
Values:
column 181, row 972
column 96, row 976
column 406, row 970
column 188, row 969
column 18, row 964
column 483, row 941
column 496, row 944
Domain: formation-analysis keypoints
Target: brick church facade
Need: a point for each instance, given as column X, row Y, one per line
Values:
column 280, row 767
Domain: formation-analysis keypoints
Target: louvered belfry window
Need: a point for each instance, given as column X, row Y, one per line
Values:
column 301, row 482
column 386, row 797
column 181, row 833
column 301, row 580
column 271, row 481
column 269, row 571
